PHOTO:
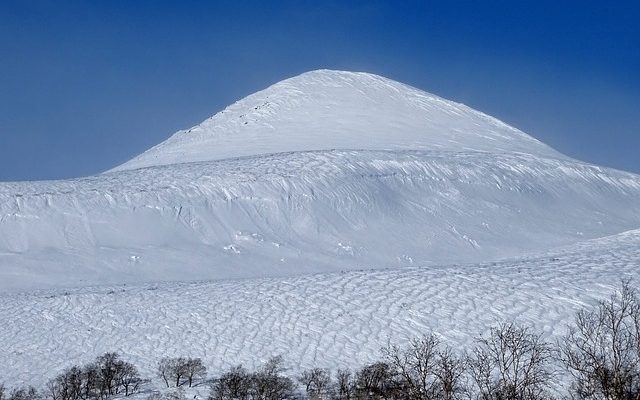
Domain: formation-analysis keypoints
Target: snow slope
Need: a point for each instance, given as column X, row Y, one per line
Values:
column 295, row 213
column 332, row 320
column 322, row 110
column 389, row 176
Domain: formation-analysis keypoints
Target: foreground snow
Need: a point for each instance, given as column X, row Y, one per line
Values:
column 325, row 320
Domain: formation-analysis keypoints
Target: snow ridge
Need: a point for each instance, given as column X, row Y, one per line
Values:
column 292, row 213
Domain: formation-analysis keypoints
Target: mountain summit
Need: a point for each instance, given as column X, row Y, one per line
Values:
column 325, row 109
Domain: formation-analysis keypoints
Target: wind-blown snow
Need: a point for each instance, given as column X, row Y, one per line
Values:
column 323, row 110
column 292, row 213
column 333, row 320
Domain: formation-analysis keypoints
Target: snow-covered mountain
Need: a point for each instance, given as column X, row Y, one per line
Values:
column 322, row 110
column 325, row 171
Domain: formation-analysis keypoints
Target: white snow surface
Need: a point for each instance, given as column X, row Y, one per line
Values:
column 333, row 320
column 293, row 213
column 324, row 109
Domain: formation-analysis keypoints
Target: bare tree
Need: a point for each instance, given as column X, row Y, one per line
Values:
column 53, row 389
column 194, row 369
column 511, row 363
column 375, row 381
column 91, row 382
column 269, row 383
column 450, row 371
column 179, row 370
column 232, row 385
column 69, row 385
column 108, row 365
column 602, row 352
column 24, row 393
column 166, row 367
column 173, row 370
column 128, row 378
column 426, row 369
column 415, row 366
column 316, row 382
column 99, row 380
column 344, row 385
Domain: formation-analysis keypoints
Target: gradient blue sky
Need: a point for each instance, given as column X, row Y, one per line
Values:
column 87, row 85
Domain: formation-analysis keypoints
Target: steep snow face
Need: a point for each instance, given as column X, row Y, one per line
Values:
column 293, row 213
column 323, row 110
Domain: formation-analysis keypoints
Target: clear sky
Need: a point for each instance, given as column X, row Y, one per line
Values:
column 87, row 85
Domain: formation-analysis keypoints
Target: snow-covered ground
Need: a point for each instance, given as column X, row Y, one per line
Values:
column 324, row 320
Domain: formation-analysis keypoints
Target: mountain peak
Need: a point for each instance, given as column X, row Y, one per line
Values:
column 327, row 109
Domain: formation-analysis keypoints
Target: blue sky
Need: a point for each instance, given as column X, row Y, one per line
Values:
column 87, row 85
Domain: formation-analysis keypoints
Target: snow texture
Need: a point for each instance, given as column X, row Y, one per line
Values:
column 334, row 320
column 291, row 213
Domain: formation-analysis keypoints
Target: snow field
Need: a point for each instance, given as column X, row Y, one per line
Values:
column 331, row 320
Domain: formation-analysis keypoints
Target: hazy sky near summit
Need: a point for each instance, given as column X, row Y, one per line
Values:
column 85, row 86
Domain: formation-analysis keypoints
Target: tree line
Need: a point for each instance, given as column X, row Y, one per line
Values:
column 598, row 359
